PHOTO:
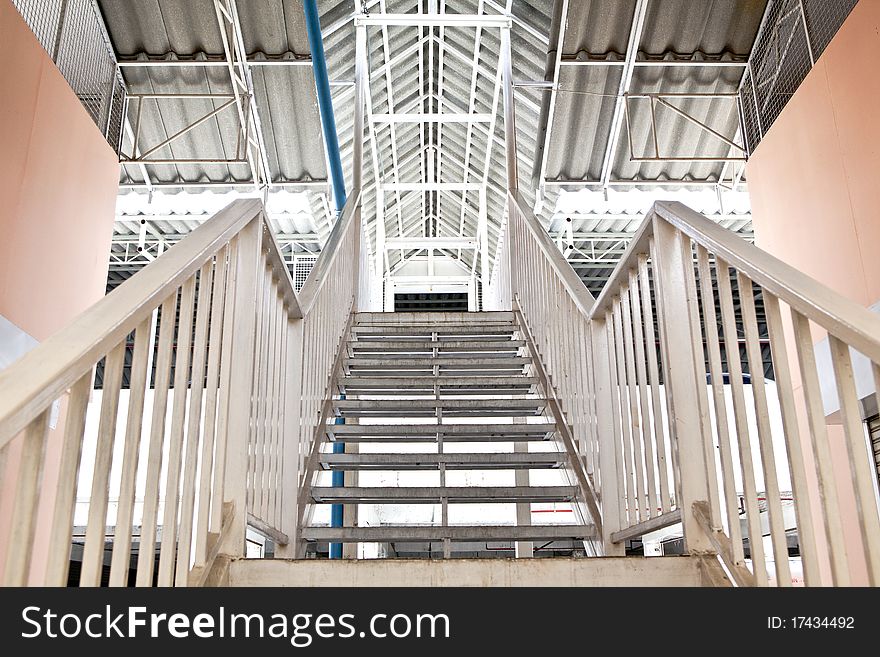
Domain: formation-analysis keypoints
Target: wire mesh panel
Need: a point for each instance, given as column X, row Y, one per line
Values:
column 42, row 16
column 792, row 37
column 302, row 267
column 72, row 32
column 824, row 18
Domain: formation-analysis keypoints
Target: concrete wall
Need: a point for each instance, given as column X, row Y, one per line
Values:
column 816, row 197
column 58, row 185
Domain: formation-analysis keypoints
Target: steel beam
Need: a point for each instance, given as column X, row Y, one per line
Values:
column 551, row 76
column 434, row 20
column 632, row 48
column 408, row 243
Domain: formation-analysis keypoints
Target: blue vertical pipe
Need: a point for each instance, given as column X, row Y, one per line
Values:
column 331, row 143
column 336, row 511
column 325, row 103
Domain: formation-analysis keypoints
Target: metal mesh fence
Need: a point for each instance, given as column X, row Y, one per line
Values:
column 793, row 35
column 72, row 33
column 824, row 18
column 302, row 266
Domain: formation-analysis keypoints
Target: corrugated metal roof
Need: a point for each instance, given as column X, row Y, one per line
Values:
column 285, row 95
column 598, row 30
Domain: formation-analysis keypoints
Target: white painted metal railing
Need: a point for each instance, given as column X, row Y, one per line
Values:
column 671, row 430
column 225, row 349
column 555, row 307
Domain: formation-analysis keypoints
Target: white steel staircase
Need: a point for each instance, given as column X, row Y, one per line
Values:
column 450, row 394
column 621, row 408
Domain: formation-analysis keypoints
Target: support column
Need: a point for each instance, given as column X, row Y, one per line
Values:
column 241, row 378
column 684, row 374
column 510, row 157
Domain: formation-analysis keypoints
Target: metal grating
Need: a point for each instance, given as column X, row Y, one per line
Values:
column 302, row 267
column 72, row 33
column 793, row 35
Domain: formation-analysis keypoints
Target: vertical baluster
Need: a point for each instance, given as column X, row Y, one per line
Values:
column 632, row 394
column 615, row 456
column 744, row 444
column 654, row 374
column 765, row 434
column 168, row 547
column 27, row 496
column 271, row 389
column 278, row 435
column 821, row 449
column 257, row 384
column 796, row 466
column 206, row 471
column 638, row 335
column 292, row 446
column 225, row 384
column 147, row 547
column 625, row 425
column 728, row 480
column 260, row 404
column 859, row 459
column 194, row 425
column 93, row 551
column 120, row 561
column 68, row 471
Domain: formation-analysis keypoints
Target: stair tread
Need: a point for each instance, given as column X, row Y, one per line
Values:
column 463, row 461
column 396, row 361
column 445, row 429
column 433, row 494
column 445, row 344
column 455, row 532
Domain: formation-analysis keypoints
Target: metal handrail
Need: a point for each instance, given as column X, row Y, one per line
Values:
column 41, row 376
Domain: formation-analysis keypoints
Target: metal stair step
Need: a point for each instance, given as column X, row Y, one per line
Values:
column 476, row 430
column 434, row 317
column 401, row 533
column 499, row 385
column 428, row 407
column 444, row 361
column 425, row 331
column 434, row 494
column 446, row 345
column 469, row 461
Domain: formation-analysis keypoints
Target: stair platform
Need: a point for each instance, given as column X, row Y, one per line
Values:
column 557, row 572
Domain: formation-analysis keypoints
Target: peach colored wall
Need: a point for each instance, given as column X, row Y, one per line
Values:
column 815, row 194
column 58, row 186
column 813, row 179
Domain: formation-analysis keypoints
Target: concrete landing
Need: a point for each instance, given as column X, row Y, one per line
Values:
column 601, row 571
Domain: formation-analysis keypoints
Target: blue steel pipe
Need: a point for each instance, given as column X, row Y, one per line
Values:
column 331, row 143
column 325, row 103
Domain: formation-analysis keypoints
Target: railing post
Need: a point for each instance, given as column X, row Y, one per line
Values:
column 238, row 411
column 291, row 439
column 684, row 371
column 610, row 490
column 506, row 63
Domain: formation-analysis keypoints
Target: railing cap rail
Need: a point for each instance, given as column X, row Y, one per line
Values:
column 42, row 375
column 848, row 320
